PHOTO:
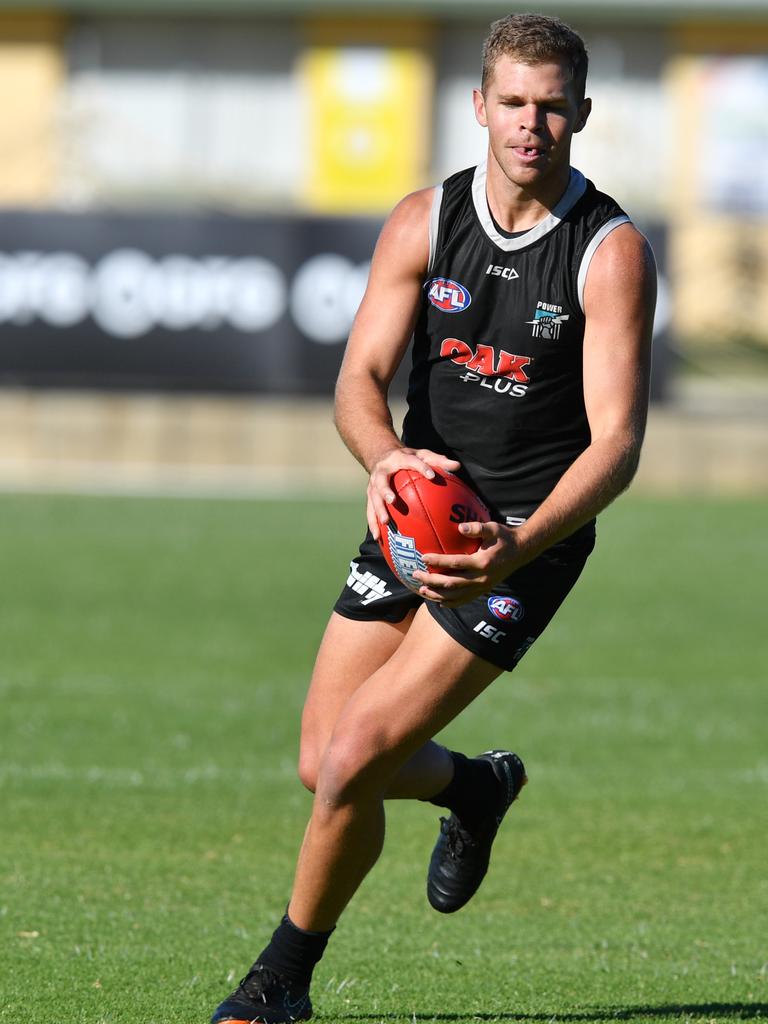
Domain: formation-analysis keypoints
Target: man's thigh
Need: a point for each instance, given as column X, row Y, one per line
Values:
column 369, row 621
column 427, row 680
column 351, row 650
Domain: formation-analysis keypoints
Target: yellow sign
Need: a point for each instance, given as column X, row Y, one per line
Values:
column 369, row 124
column 31, row 74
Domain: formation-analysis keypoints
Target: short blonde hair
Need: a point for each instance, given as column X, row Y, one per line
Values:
column 535, row 39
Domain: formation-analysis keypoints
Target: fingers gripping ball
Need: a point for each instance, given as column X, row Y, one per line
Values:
column 425, row 518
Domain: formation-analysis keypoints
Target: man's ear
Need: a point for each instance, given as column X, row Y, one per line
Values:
column 479, row 103
column 585, row 110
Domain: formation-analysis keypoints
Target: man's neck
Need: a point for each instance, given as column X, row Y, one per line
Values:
column 517, row 208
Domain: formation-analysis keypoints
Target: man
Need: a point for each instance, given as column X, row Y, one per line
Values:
column 530, row 298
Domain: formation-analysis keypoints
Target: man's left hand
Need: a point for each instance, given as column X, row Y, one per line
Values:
column 456, row 579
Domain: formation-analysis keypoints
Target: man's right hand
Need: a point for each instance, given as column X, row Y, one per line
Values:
column 380, row 492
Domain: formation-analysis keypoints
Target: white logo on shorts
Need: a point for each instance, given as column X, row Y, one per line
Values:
column 368, row 585
column 489, row 632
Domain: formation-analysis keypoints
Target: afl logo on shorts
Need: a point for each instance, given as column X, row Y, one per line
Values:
column 508, row 609
column 448, row 296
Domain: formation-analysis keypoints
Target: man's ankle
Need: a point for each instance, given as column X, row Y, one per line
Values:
column 473, row 792
column 294, row 952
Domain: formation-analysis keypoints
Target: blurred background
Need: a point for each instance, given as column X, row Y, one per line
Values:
column 190, row 192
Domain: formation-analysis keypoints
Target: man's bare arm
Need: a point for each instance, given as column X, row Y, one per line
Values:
column 377, row 343
column 619, row 303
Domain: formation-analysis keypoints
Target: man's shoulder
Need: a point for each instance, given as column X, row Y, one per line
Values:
column 620, row 231
column 464, row 177
column 404, row 239
column 423, row 199
column 414, row 204
column 594, row 198
column 623, row 264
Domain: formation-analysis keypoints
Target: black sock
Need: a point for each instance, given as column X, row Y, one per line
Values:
column 473, row 792
column 294, row 952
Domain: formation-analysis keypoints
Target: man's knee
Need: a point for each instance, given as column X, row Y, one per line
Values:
column 354, row 766
column 309, row 766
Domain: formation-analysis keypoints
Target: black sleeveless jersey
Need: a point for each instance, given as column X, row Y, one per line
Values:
column 496, row 380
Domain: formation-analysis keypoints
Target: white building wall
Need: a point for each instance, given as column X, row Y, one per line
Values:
column 212, row 111
column 204, row 110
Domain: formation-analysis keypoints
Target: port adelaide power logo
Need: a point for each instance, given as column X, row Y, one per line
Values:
column 448, row 296
column 547, row 321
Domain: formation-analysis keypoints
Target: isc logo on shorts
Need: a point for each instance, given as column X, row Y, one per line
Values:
column 448, row 296
column 489, row 632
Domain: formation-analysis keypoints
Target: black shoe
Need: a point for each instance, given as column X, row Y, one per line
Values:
column 266, row 997
column 460, row 857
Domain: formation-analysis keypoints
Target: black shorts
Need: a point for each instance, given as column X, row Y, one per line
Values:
column 499, row 626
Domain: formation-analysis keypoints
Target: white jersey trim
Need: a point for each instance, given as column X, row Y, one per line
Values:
column 576, row 189
column 434, row 224
column 598, row 238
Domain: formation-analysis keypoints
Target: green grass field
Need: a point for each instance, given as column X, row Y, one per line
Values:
column 154, row 658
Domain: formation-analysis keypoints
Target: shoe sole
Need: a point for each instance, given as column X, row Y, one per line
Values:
column 253, row 1020
column 256, row 1020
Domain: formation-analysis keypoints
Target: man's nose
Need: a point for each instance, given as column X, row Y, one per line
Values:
column 531, row 116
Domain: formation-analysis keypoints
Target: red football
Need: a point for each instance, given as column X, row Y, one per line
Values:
column 424, row 519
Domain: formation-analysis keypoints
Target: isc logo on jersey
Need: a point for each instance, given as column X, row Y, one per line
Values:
column 508, row 609
column 448, row 296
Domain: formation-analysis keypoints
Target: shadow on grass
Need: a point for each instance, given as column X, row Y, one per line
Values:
column 737, row 1011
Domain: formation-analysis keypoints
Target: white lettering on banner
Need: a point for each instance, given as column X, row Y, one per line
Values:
column 326, row 293
column 134, row 293
column 129, row 293
column 123, row 291
column 51, row 286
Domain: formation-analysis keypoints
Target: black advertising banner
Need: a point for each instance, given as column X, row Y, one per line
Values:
column 193, row 302
column 179, row 302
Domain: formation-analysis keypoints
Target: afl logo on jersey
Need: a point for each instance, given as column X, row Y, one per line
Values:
column 508, row 609
column 448, row 296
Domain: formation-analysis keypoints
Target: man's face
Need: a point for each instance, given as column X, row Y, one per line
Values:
column 531, row 112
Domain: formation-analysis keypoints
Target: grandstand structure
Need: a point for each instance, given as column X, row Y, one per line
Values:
column 189, row 191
